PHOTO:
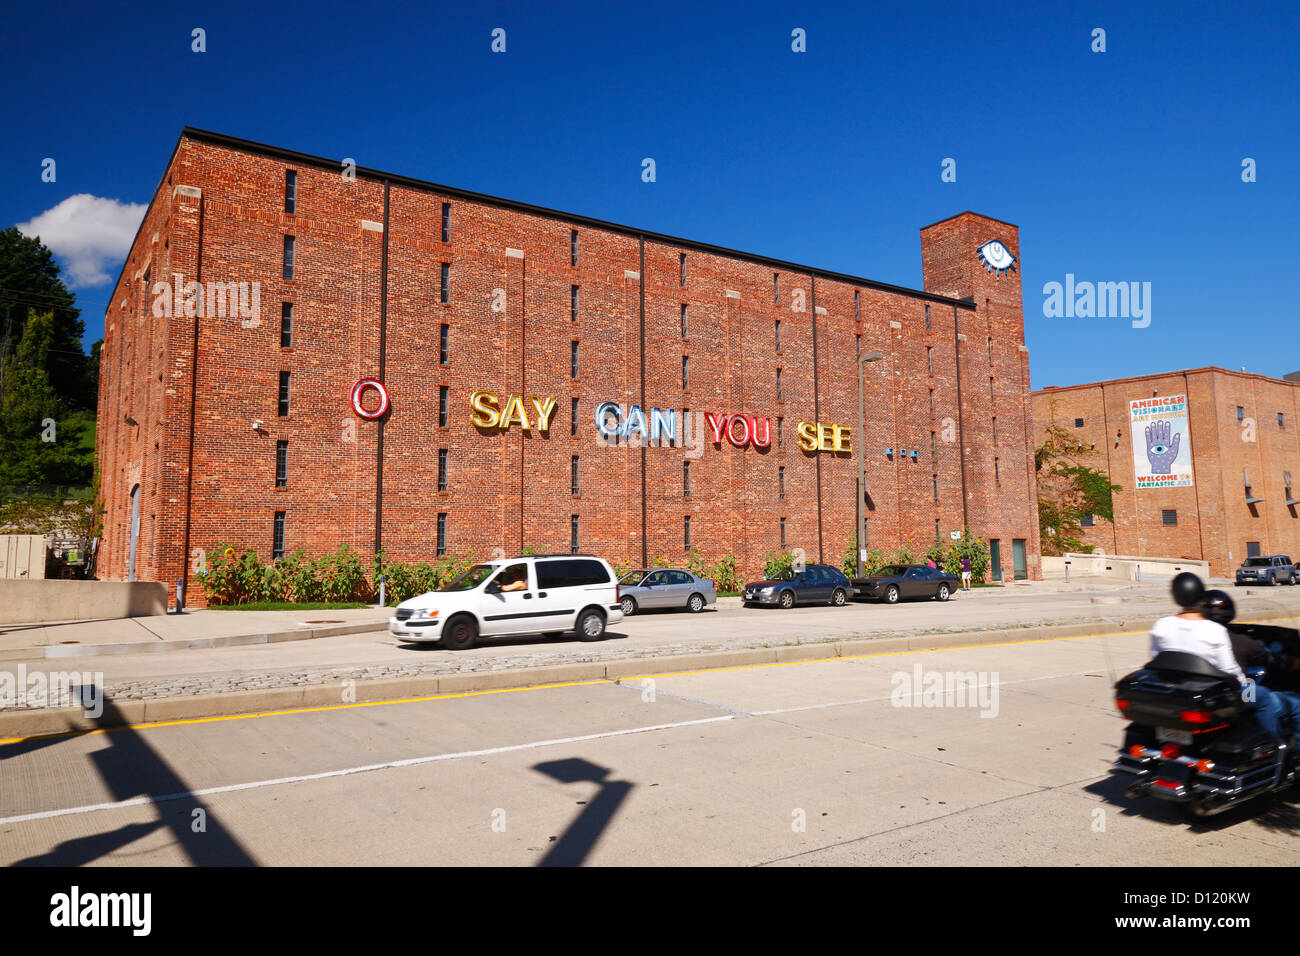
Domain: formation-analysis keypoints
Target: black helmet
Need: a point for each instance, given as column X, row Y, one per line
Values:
column 1188, row 590
column 1218, row 607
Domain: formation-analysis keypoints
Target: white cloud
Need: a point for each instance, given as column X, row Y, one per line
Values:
column 87, row 233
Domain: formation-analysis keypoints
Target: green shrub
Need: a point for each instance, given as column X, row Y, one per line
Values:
column 778, row 566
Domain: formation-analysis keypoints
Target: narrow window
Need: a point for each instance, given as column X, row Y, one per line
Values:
column 444, row 344
column 934, row 484
column 446, row 222
column 1281, row 423
column 857, row 345
column 929, row 359
column 782, row 534
column 990, row 388
column 573, row 359
column 290, row 190
column 442, row 534
column 927, row 318
column 573, row 303
column 277, row 537
column 686, row 479
column 936, row 529
column 990, row 351
column 444, row 294
column 681, row 262
column 857, row 304
column 683, row 320
column 780, row 432
column 778, row 385
column 282, row 464
column 573, row 419
column 573, row 534
column 778, row 335
column 687, row 532
column 686, row 373
column 286, row 325
column 442, row 469
column 1240, row 413
column 442, row 404
column 933, row 448
column 776, row 288
column 284, row 395
column 997, row 473
column 995, row 429
column 931, row 401
column 573, row 247
column 1169, row 517
column 573, row 475
column 288, row 258
column 780, row 480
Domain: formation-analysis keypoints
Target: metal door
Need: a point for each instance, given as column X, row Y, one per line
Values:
column 995, row 559
column 1020, row 569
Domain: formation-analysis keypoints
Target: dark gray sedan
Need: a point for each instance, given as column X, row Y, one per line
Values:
column 672, row 588
column 898, row 581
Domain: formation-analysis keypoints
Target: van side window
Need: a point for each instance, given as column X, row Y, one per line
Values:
column 570, row 573
column 514, row 578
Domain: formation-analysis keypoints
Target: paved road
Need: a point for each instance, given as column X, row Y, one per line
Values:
column 376, row 654
column 796, row 764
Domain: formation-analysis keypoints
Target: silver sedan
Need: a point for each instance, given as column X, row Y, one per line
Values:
column 665, row 588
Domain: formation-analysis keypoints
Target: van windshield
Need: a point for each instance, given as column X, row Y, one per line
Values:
column 470, row 579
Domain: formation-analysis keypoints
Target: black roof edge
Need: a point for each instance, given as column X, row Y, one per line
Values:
column 251, row 146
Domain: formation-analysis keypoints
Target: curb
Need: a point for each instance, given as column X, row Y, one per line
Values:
column 64, row 720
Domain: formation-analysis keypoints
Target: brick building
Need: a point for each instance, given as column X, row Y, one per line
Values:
column 1229, row 494
column 244, row 425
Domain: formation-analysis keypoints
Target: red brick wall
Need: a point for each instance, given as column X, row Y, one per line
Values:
column 1214, row 520
column 511, row 489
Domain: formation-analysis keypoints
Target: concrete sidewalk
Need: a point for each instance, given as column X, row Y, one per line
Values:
column 178, row 632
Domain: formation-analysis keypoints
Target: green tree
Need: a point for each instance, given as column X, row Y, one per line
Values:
column 1068, row 489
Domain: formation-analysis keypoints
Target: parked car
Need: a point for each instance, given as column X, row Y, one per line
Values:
column 1274, row 569
column 815, row 584
column 665, row 588
column 897, row 581
column 538, row 594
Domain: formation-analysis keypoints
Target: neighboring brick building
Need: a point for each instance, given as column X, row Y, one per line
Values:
column 440, row 293
column 1241, row 493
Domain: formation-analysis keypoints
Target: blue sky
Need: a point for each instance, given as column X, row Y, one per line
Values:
column 1117, row 166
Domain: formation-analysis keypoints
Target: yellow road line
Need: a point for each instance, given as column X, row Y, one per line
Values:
column 586, row 683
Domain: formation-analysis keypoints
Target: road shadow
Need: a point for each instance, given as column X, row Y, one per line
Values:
column 577, row 842
column 1279, row 812
column 130, row 769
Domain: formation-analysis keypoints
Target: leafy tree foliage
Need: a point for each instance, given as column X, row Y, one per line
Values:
column 1068, row 489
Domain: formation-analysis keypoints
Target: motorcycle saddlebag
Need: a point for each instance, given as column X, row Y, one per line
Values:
column 1179, row 691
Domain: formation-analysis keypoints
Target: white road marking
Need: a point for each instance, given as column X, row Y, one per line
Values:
column 391, row 764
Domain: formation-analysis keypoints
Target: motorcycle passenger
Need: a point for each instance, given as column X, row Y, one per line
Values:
column 1277, row 711
column 1191, row 632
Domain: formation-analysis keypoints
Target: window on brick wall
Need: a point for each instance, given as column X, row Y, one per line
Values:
column 995, row 429
column 1086, row 521
column 288, row 258
column 442, row 469
column 857, row 305
column 442, row 404
column 927, row 318
column 780, row 481
column 283, row 404
column 573, row 360
column 990, row 388
column 929, row 359
column 780, row 432
column 573, row 534
column 686, row 373
column 290, row 191
column 683, row 320
column 281, row 464
column 573, row 247
column 277, row 537
column 1169, row 517
column 779, row 391
column 1281, row 422
column 934, row 486
column 286, row 325
column 444, row 344
column 931, row 401
column 857, row 345
column 681, row 262
column 446, row 222
column 444, row 291
column 686, row 479
column 933, row 447
column 1241, row 412
column 686, row 532
column 997, row 472
column 573, row 416
column 1252, row 549
column 990, row 350
column 778, row 335
column 776, row 288
column 573, row 303
column 441, row 545
column 1078, row 423
column 936, row 530
column 573, row 475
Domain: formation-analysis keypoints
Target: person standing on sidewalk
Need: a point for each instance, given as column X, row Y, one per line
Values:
column 965, row 574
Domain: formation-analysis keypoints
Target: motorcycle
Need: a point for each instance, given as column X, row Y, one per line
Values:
column 1191, row 740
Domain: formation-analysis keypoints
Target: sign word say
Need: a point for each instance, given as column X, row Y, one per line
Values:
column 489, row 413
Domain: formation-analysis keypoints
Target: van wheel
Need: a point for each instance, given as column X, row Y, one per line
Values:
column 838, row 598
column 696, row 603
column 591, row 625
column 461, row 634
column 629, row 607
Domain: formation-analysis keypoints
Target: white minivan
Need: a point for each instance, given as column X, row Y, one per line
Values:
column 538, row 594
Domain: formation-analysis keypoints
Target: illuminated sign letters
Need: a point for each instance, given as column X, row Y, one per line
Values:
column 819, row 436
column 360, row 389
column 489, row 413
column 740, row 431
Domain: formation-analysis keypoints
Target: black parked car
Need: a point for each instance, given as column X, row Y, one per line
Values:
column 815, row 584
column 897, row 581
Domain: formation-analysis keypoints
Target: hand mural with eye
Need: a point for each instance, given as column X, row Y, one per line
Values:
column 996, row 257
column 1161, row 452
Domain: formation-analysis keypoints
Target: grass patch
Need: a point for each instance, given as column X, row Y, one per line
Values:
column 289, row 606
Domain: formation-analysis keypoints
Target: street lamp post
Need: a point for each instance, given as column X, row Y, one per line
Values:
column 862, row 462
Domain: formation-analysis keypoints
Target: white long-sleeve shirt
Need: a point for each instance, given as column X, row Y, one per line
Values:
column 1204, row 638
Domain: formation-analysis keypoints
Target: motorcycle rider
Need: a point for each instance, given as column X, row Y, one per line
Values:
column 1277, row 711
column 1191, row 632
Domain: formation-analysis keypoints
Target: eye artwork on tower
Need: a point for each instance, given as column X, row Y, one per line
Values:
column 996, row 257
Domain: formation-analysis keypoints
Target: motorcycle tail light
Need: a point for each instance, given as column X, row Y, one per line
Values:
column 1170, row 751
column 1137, row 750
column 1123, row 704
column 1196, row 716
column 1204, row 766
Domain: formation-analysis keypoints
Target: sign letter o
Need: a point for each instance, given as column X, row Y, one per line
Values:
column 744, row 429
column 359, row 389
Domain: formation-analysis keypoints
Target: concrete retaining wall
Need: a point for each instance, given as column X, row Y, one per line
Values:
column 39, row 602
column 1121, row 567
